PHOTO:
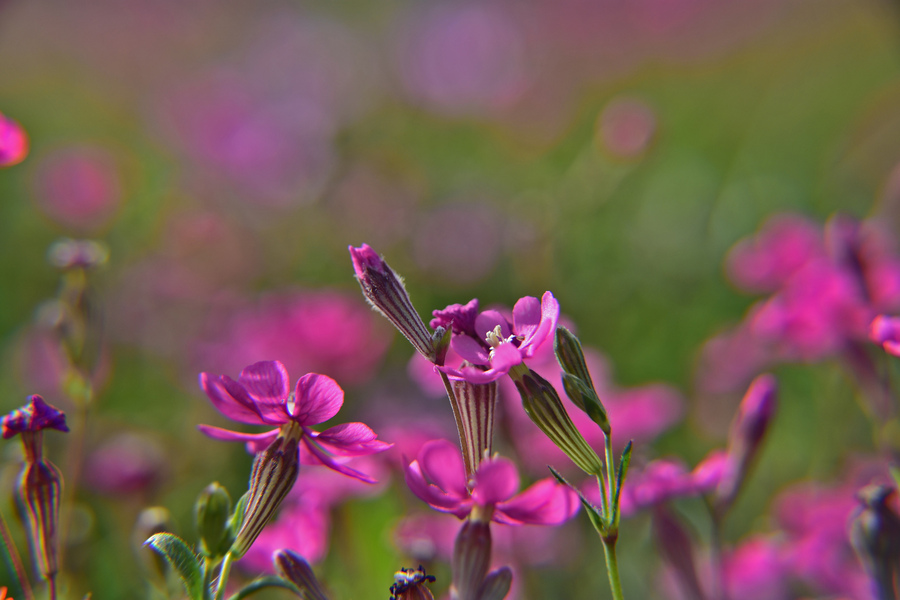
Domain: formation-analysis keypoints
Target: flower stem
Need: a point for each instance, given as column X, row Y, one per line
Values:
column 612, row 568
column 223, row 576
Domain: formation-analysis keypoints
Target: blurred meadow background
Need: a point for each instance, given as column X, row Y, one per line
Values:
column 227, row 153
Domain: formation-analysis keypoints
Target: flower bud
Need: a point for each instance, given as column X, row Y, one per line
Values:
column 212, row 513
column 875, row 535
column 385, row 291
column 294, row 568
column 475, row 405
column 40, row 489
column 546, row 410
column 471, row 559
column 274, row 472
column 576, row 378
column 412, row 584
column 496, row 585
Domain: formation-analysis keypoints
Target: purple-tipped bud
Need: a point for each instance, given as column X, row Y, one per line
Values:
column 412, row 584
column 474, row 405
column 676, row 548
column 274, row 472
column 294, row 568
column 751, row 423
column 546, row 410
column 875, row 535
column 40, row 489
column 471, row 559
column 385, row 292
column 33, row 417
column 77, row 254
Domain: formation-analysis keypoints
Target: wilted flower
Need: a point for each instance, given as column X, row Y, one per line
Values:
column 412, row 584
column 438, row 477
column 261, row 396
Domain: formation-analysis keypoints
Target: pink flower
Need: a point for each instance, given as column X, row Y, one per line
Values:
column 493, row 341
column 438, row 477
column 13, row 142
column 885, row 330
column 261, row 396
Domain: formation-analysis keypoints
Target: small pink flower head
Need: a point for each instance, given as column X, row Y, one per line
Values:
column 438, row 477
column 496, row 343
column 885, row 330
column 13, row 142
column 261, row 396
column 33, row 417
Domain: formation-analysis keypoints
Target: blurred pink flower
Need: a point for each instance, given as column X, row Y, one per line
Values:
column 464, row 58
column 438, row 477
column 885, row 330
column 757, row 568
column 322, row 331
column 626, row 127
column 126, row 463
column 261, row 396
column 13, row 142
column 495, row 342
column 79, row 186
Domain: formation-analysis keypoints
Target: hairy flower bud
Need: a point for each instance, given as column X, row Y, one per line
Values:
column 274, row 472
column 212, row 513
column 546, row 410
column 294, row 568
column 385, row 291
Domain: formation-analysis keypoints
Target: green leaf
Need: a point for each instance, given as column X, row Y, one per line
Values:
column 593, row 513
column 12, row 574
column 266, row 582
column 182, row 560
column 621, row 472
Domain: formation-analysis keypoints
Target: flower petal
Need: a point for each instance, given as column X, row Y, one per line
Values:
column 268, row 384
column 317, row 399
column 544, row 503
column 315, row 451
column 256, row 442
column 231, row 399
column 535, row 329
column 488, row 321
column 495, row 481
column 470, row 350
column 351, row 439
column 433, row 495
column 442, row 464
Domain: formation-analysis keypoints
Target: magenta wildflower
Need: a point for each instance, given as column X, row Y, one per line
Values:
column 438, row 477
column 491, row 341
column 13, row 142
column 885, row 330
column 261, row 396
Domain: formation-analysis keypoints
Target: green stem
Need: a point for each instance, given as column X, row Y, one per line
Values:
column 612, row 568
column 610, row 476
column 223, row 576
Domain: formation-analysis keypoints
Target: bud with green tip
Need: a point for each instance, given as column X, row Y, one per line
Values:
column 212, row 513
column 546, row 410
column 577, row 380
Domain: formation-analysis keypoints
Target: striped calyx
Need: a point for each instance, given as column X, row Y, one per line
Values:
column 471, row 559
column 294, row 568
column 40, row 489
column 274, row 472
column 475, row 407
column 546, row 410
column 385, row 291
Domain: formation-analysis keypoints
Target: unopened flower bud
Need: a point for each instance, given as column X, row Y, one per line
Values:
column 212, row 513
column 475, row 403
column 546, row 410
column 751, row 423
column 570, row 355
column 274, row 472
column 412, row 584
column 471, row 559
column 40, row 489
column 576, row 378
column 385, row 291
column 496, row 585
column 294, row 568
column 875, row 535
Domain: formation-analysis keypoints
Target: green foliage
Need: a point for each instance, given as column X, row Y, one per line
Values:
column 182, row 560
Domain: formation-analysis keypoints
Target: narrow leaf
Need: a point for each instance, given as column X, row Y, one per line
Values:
column 594, row 514
column 182, row 560
column 621, row 472
column 269, row 581
column 12, row 574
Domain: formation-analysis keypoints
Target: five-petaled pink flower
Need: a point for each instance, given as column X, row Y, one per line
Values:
column 489, row 340
column 438, row 477
column 261, row 396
